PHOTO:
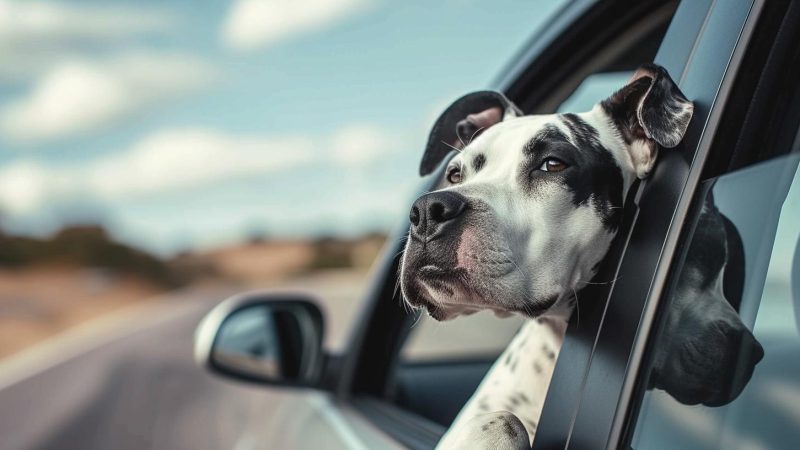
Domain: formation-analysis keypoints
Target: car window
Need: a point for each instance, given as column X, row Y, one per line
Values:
column 724, row 369
column 595, row 87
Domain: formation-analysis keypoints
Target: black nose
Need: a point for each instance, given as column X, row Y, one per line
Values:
column 432, row 212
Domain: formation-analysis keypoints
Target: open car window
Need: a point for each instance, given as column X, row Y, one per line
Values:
column 453, row 356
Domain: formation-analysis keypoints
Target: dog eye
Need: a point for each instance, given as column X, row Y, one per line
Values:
column 454, row 175
column 553, row 165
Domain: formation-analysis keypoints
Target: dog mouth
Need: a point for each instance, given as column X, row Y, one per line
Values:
column 444, row 279
column 449, row 293
column 438, row 288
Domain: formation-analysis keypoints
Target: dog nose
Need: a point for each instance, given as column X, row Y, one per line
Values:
column 432, row 211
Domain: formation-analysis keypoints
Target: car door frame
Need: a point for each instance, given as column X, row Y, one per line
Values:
column 588, row 401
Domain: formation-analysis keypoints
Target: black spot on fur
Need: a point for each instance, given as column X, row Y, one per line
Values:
column 592, row 174
column 478, row 162
column 524, row 398
column 509, row 430
column 548, row 352
column 604, row 183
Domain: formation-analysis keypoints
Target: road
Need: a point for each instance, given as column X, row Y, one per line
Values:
column 129, row 382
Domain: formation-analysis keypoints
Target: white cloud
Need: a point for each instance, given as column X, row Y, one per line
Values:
column 24, row 22
column 80, row 95
column 180, row 159
column 37, row 35
column 357, row 145
column 253, row 24
column 24, row 185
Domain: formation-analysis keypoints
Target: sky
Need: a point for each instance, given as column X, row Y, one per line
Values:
column 183, row 124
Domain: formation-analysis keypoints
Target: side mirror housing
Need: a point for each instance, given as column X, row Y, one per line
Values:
column 271, row 338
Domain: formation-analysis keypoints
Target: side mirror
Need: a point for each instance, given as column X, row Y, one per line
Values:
column 273, row 338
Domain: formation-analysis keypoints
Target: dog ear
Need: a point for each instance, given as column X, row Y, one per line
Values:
column 649, row 111
column 461, row 122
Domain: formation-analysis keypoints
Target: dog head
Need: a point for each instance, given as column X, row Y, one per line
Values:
column 529, row 205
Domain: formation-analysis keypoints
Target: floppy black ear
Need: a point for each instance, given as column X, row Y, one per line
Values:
column 650, row 111
column 461, row 122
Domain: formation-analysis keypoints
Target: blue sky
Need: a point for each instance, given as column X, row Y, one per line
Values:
column 190, row 124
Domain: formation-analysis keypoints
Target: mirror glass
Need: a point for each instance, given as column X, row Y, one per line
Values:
column 275, row 343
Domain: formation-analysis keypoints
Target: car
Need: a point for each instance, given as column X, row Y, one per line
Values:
column 738, row 62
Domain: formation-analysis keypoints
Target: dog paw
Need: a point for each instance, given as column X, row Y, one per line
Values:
column 498, row 430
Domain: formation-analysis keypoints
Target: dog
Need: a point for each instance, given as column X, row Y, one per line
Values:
column 523, row 216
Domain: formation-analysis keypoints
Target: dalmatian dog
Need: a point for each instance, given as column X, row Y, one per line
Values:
column 523, row 216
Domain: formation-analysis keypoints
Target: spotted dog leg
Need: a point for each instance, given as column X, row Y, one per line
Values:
column 512, row 392
column 497, row 430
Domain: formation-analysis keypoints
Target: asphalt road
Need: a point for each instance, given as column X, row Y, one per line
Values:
column 129, row 383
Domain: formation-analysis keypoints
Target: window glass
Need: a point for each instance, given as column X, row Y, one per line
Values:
column 725, row 367
column 594, row 88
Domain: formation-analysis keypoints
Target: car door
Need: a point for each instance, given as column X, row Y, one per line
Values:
column 752, row 175
column 596, row 407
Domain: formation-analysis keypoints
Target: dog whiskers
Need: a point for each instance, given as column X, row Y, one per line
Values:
column 452, row 146
column 473, row 135
column 528, row 305
column 461, row 140
column 599, row 282
column 406, row 306
column 527, row 308
column 419, row 316
column 577, row 308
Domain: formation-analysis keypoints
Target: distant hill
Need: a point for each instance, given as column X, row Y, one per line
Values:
column 84, row 246
column 270, row 260
column 90, row 246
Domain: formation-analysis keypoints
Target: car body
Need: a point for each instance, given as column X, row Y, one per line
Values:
column 732, row 59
